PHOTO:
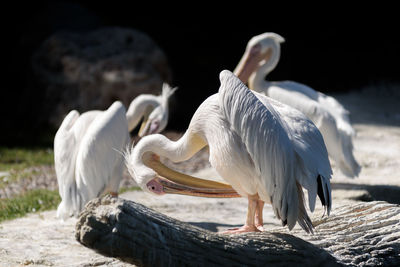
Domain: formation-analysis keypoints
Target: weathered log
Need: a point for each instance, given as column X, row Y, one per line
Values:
column 137, row 234
column 365, row 234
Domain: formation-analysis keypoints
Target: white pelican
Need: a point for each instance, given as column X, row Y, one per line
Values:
column 260, row 58
column 87, row 147
column 265, row 150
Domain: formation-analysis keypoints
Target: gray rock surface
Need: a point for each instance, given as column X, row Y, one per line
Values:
column 91, row 70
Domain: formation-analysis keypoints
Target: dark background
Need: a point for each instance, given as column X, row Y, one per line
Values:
column 329, row 49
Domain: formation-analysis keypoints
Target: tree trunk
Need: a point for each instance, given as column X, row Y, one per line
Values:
column 366, row 233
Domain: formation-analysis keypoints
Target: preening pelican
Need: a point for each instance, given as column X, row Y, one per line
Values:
column 265, row 151
column 260, row 58
column 87, row 147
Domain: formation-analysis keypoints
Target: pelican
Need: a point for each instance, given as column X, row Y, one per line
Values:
column 87, row 147
column 264, row 150
column 260, row 58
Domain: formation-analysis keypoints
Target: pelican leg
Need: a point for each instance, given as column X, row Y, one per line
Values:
column 250, row 218
column 258, row 219
column 113, row 194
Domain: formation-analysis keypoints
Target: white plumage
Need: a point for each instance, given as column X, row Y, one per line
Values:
column 264, row 149
column 260, row 58
column 87, row 148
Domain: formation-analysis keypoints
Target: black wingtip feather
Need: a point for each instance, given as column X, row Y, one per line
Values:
column 329, row 198
column 320, row 192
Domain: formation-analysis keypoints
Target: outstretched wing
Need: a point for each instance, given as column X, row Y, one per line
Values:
column 310, row 151
column 100, row 152
column 330, row 117
column 265, row 135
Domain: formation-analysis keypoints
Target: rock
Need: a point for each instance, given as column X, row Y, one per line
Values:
column 91, row 70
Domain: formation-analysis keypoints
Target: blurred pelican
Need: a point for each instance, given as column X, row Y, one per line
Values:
column 87, row 156
column 260, row 58
column 265, row 151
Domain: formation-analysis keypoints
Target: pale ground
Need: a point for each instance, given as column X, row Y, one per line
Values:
column 42, row 240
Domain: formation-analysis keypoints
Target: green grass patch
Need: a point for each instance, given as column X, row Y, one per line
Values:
column 35, row 201
column 126, row 189
column 21, row 158
column 31, row 201
column 20, row 163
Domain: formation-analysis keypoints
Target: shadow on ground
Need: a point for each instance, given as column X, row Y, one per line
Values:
column 219, row 227
column 388, row 193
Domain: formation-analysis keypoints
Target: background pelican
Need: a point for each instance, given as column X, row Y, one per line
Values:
column 260, row 58
column 87, row 147
column 265, row 150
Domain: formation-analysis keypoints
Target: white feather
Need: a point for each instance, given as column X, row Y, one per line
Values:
column 284, row 144
column 256, row 144
column 329, row 116
column 327, row 113
column 87, row 150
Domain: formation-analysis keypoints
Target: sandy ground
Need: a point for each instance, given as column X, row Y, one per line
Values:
column 42, row 240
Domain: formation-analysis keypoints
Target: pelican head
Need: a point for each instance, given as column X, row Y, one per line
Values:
column 152, row 110
column 154, row 122
column 261, row 49
column 145, row 167
column 155, row 119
